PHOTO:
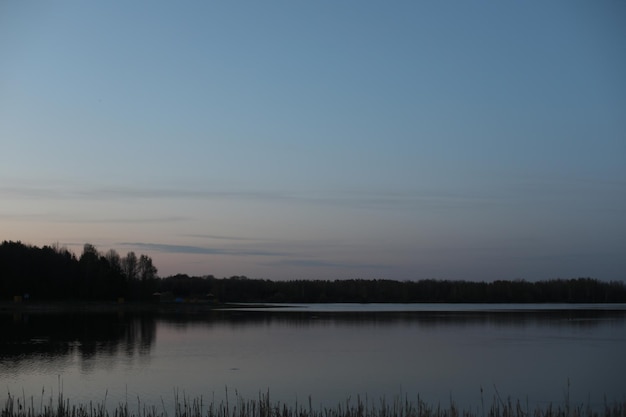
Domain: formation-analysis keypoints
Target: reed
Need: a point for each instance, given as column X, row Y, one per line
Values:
column 263, row 406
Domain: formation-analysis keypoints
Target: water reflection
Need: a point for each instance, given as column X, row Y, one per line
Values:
column 329, row 355
column 44, row 336
column 505, row 318
column 28, row 335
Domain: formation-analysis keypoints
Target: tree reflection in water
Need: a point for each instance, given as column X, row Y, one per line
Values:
column 29, row 335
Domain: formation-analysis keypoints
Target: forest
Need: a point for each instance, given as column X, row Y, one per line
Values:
column 53, row 273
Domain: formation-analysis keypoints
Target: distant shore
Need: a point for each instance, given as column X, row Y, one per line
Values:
column 104, row 307
column 132, row 307
column 51, row 273
column 73, row 306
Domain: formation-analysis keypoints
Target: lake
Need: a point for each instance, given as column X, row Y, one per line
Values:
column 538, row 354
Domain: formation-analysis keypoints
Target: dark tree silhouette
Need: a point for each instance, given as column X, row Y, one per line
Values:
column 54, row 273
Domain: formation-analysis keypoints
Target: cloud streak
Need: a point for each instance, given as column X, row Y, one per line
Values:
column 168, row 248
column 56, row 192
column 289, row 260
column 65, row 218
column 199, row 250
column 353, row 199
column 219, row 237
column 316, row 263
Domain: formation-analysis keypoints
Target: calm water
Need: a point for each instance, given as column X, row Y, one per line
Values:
column 329, row 352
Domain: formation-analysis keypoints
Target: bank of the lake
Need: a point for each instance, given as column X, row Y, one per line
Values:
column 115, row 306
column 203, row 306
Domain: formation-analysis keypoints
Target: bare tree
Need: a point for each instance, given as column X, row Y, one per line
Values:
column 115, row 260
column 146, row 269
column 130, row 265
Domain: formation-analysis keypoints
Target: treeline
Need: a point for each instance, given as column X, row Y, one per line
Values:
column 55, row 273
column 242, row 289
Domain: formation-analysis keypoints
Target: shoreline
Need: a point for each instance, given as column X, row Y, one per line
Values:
column 109, row 307
column 58, row 307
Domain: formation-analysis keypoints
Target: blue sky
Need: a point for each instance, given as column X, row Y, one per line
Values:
column 320, row 140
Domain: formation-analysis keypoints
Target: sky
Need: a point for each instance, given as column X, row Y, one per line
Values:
column 457, row 140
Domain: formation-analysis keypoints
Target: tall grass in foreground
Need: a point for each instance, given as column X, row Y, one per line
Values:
column 264, row 407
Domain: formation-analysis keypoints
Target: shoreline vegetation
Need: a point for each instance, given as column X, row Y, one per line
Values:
column 263, row 406
column 31, row 274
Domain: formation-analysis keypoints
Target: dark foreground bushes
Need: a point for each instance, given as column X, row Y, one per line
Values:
column 264, row 407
